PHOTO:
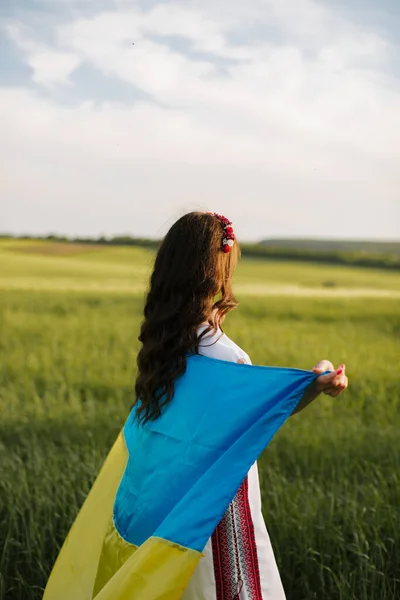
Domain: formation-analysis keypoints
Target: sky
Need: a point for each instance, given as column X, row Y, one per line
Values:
column 118, row 116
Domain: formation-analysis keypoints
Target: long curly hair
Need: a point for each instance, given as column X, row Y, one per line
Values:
column 190, row 285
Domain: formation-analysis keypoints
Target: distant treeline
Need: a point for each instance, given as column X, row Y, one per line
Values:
column 379, row 260
column 380, row 255
column 327, row 245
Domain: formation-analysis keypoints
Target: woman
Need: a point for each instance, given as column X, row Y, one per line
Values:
column 190, row 295
column 175, row 511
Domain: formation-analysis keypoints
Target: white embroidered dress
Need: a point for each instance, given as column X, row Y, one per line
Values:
column 239, row 562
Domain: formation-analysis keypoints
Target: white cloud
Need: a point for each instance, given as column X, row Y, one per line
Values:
column 331, row 95
column 307, row 116
column 50, row 66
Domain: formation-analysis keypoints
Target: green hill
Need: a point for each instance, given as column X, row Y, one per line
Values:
column 320, row 245
column 372, row 254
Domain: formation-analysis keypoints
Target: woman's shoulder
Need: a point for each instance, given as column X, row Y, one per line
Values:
column 216, row 344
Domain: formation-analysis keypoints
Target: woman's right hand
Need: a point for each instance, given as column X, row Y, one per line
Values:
column 333, row 383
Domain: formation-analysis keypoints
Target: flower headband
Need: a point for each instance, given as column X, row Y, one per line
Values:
column 229, row 235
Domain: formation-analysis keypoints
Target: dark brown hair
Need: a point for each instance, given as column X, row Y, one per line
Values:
column 190, row 271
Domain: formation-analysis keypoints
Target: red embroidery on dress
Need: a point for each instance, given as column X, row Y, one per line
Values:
column 235, row 551
column 224, row 567
column 249, row 543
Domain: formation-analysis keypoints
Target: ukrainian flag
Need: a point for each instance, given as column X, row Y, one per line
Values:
column 165, row 486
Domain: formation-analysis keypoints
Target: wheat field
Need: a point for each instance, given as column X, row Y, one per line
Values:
column 69, row 319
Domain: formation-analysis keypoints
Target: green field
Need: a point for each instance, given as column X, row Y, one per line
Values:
column 69, row 318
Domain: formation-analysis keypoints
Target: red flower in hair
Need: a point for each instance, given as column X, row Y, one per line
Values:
column 228, row 233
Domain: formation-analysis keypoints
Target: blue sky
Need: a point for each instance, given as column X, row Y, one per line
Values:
column 282, row 114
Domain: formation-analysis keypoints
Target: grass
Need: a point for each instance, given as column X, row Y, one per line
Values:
column 331, row 478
